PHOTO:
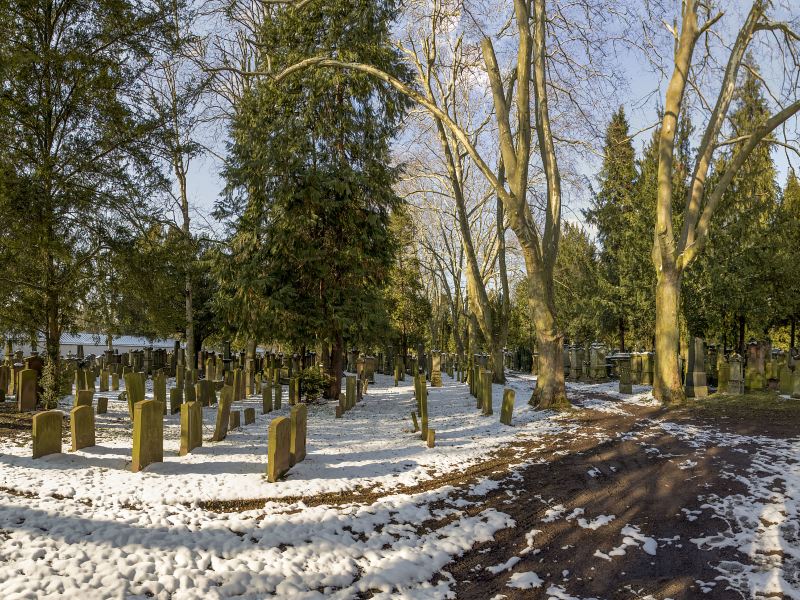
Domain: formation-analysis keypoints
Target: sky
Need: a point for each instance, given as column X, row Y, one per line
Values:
column 636, row 95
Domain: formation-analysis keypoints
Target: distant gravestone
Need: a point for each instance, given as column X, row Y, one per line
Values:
column 102, row 405
column 624, row 368
column 280, row 432
column 422, row 404
column 735, row 375
column 723, row 374
column 148, row 434
column 160, row 389
column 350, row 392
column 104, row 380
column 26, row 394
column 250, row 416
column 175, row 400
column 796, row 382
column 235, row 420
column 436, row 369
column 431, row 438
column 785, row 380
column 297, row 438
column 507, row 410
column 191, row 427
column 81, row 425
column 134, row 388
column 487, row 393
column 277, row 390
column 115, row 382
column 84, row 398
column 414, row 421
column 696, row 384
column 189, row 394
column 266, row 399
column 46, row 432
column 223, row 414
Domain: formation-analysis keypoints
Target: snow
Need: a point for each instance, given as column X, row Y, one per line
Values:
column 506, row 566
column 524, row 581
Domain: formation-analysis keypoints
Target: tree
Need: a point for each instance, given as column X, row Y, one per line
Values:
column 310, row 187
column 576, row 284
column 673, row 254
column 610, row 212
column 77, row 170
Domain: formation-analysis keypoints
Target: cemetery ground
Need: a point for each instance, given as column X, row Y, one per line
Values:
column 619, row 498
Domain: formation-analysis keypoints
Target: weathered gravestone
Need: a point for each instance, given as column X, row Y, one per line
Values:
column 235, row 420
column 134, row 388
column 431, row 439
column 277, row 391
column 81, row 426
column 785, row 385
column 189, row 394
column 250, row 416
column 487, row 393
column 507, row 410
column 5, row 375
column 26, row 390
column 294, row 390
column 148, row 434
column 754, row 375
column 735, row 375
column 160, row 389
column 223, row 414
column 297, row 438
column 115, row 382
column 175, row 400
column 85, row 398
column 422, row 403
column 723, row 374
column 696, row 384
column 46, row 432
column 624, row 367
column 104, row 380
column 280, row 433
column 266, row 399
column 414, row 420
column 796, row 382
column 191, row 427
column 350, row 396
column 102, row 405
column 647, row 368
column 436, row 369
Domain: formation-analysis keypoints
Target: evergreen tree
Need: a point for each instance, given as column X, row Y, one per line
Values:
column 73, row 145
column 310, row 187
column 576, row 288
column 734, row 283
column 609, row 212
column 786, row 247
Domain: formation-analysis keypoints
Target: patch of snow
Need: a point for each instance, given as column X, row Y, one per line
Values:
column 506, row 566
column 524, row 581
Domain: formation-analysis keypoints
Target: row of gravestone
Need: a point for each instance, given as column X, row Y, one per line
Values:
column 287, row 436
column 354, row 393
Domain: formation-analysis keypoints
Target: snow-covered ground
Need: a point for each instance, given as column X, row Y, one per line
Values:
column 81, row 524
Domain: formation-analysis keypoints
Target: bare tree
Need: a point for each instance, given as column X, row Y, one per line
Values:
column 672, row 253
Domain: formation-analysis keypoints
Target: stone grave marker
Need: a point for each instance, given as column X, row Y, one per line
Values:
column 431, row 439
column 115, row 382
column 422, row 403
column 104, row 380
column 102, row 405
column 223, row 414
column 26, row 394
column 266, row 398
column 625, row 377
column 134, row 388
column 85, row 398
column 81, row 426
column 148, row 434
column 46, row 432
column 785, row 385
column 249, row 416
column 175, row 400
column 235, row 420
column 436, row 369
column 487, row 393
column 297, row 439
column 280, row 433
column 723, row 374
column 414, row 421
column 277, row 390
column 507, row 410
column 350, row 396
column 191, row 427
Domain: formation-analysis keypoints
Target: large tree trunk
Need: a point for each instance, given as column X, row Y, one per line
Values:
column 667, row 381
column 550, row 391
column 335, row 372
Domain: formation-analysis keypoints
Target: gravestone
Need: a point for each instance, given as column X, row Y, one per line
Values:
column 431, row 439
column 104, row 380
column 339, row 411
column 755, row 370
column 636, row 368
column 102, row 405
column 134, row 388
column 46, row 432
column 26, row 393
column 148, row 434
column 160, row 389
column 785, row 380
column 487, row 393
column 297, row 438
column 350, row 393
column 423, row 404
column 647, row 368
column 507, row 410
column 624, row 367
column 115, row 382
column 414, row 420
column 235, row 420
column 175, row 400
column 81, row 426
column 85, row 398
column 191, row 427
column 723, row 374
column 277, row 391
column 223, row 414
column 266, row 399
column 294, row 390
column 436, row 369
column 796, row 382
column 189, row 393
column 250, row 416
column 696, row 385
column 280, row 433
column 735, row 375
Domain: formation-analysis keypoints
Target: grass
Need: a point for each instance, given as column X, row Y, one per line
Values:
column 758, row 406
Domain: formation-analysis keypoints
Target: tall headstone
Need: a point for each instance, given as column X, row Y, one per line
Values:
column 696, row 385
column 81, row 425
column 280, row 433
column 266, row 398
column 46, row 432
column 507, row 410
column 148, row 434
column 84, row 398
column 26, row 394
column 191, row 427
column 436, row 369
column 723, row 374
column 297, row 439
column 624, row 368
column 134, row 388
column 735, row 375
column 487, row 393
column 423, row 403
column 223, row 414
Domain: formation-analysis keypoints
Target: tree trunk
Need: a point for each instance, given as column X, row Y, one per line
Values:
column 550, row 391
column 742, row 342
column 667, row 382
column 335, row 386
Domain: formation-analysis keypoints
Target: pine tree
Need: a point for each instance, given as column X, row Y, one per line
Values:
column 310, row 187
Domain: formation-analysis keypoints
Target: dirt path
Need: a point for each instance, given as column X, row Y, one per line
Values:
column 621, row 465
